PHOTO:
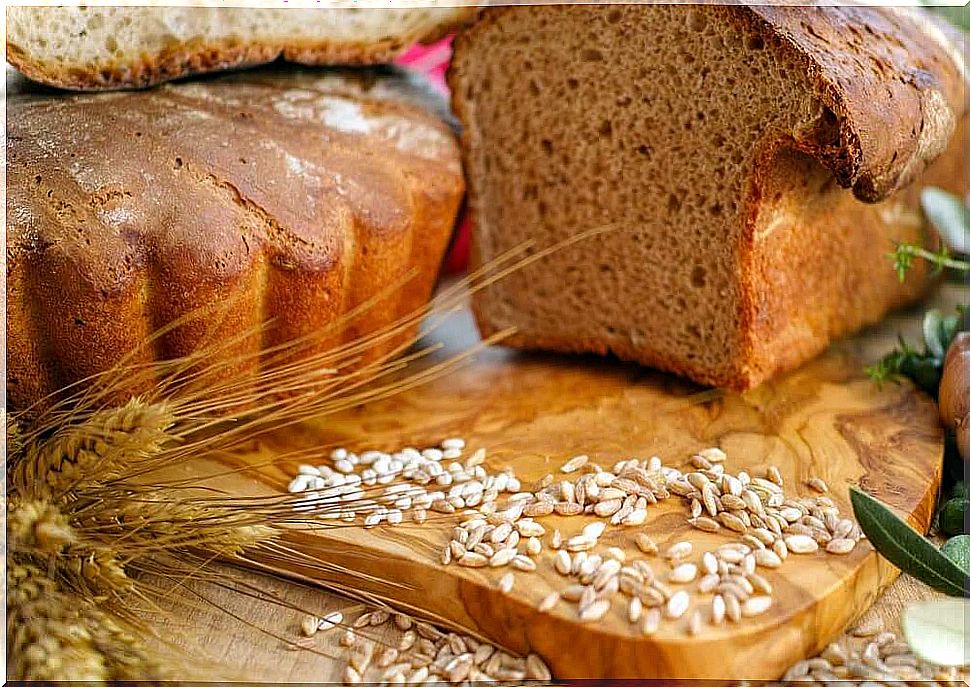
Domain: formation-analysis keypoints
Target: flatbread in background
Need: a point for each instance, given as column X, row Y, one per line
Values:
column 104, row 48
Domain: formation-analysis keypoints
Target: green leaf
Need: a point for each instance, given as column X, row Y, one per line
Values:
column 904, row 547
column 957, row 549
column 952, row 515
column 936, row 631
column 933, row 333
column 949, row 216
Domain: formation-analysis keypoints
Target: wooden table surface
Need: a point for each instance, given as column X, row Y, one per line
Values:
column 248, row 637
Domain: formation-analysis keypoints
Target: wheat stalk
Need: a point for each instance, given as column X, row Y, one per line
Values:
column 88, row 518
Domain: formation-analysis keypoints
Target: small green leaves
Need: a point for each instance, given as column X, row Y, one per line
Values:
column 953, row 515
column 949, row 217
column 936, row 631
column 923, row 367
column 957, row 549
column 904, row 547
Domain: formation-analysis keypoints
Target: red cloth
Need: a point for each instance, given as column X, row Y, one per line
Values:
column 432, row 60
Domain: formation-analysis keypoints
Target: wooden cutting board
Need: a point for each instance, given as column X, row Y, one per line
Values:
column 536, row 411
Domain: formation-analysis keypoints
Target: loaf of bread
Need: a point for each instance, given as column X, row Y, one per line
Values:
column 753, row 166
column 108, row 47
column 283, row 199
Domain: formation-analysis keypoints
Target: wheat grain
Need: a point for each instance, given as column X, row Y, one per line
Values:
column 549, row 602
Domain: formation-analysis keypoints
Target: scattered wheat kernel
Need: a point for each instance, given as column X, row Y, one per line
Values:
column 635, row 609
column 309, row 625
column 677, row 604
column 533, row 546
column 549, row 602
column 646, row 544
column 594, row 530
column 574, row 464
column 705, row 524
column 500, row 558
column 767, row 558
column 732, row 607
column 331, row 620
column 818, row 484
column 580, row 543
column 717, row 610
column 709, row 562
column 775, row 476
column 679, row 550
column 708, row 583
column 756, row 605
column 695, row 622
column 651, row 621
column 840, row 546
column 616, row 553
column 563, row 563
column 349, row 637
column 523, row 563
column 506, row 582
column 801, row 543
column 595, row 611
column 683, row 573
column 556, row 539
column 473, row 560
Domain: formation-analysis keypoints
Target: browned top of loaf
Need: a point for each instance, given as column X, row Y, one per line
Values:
column 290, row 153
column 894, row 79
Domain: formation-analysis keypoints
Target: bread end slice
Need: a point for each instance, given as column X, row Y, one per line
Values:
column 723, row 164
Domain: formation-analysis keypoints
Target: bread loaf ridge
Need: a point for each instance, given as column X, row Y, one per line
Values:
column 290, row 197
column 754, row 163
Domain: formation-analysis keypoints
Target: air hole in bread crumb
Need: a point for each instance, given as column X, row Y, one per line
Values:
column 606, row 128
column 591, row 55
column 614, row 16
column 572, row 83
column 178, row 163
column 644, row 150
column 755, row 43
column 698, row 276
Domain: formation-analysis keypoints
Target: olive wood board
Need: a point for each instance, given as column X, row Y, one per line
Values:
column 533, row 412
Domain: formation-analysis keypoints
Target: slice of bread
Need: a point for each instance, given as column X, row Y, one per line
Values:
column 88, row 48
column 736, row 152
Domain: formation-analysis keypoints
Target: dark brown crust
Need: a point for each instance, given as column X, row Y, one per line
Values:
column 201, row 57
column 219, row 192
column 894, row 94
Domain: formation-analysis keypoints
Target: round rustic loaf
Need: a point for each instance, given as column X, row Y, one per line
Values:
column 281, row 200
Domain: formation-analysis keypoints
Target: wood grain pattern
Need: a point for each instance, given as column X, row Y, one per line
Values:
column 535, row 411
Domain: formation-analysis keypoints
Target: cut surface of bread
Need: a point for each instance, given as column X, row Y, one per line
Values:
column 286, row 200
column 716, row 153
column 116, row 47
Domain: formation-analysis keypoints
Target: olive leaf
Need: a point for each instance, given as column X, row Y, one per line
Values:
column 949, row 216
column 937, row 631
column 904, row 547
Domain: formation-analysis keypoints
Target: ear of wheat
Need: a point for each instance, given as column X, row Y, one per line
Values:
column 88, row 518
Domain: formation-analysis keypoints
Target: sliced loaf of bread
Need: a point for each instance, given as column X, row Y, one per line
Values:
column 753, row 164
column 106, row 47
